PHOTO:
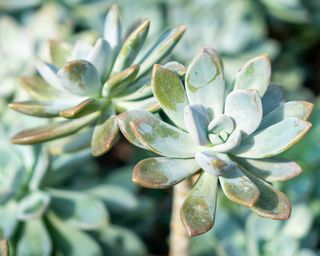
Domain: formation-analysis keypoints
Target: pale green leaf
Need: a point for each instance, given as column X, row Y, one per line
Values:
column 198, row 210
column 162, row 172
column 205, row 81
column 170, row 93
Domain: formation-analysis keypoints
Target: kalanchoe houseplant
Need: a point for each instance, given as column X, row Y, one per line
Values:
column 230, row 137
column 95, row 84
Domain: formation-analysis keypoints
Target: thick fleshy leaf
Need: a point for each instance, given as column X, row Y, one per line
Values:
column 245, row 108
column 39, row 170
column 213, row 164
column 141, row 92
column 104, row 135
column 238, row 187
column 112, row 27
column 33, row 206
column 272, row 99
column 45, row 108
column 59, row 51
column 49, row 73
column 160, row 137
column 124, row 119
column 72, row 208
column 80, row 77
column 120, row 81
column 39, row 109
column 8, row 221
column 35, row 240
column 70, row 241
column 101, row 57
column 198, row 210
column 116, row 198
column 255, row 74
column 205, row 82
column 196, row 121
column 72, row 144
column 273, row 140
column 53, row 131
column 298, row 109
column 221, row 123
column 148, row 104
column 231, row 144
column 39, row 89
column 160, row 49
column 272, row 169
column 131, row 47
column 81, row 109
column 163, row 172
column 272, row 203
column 80, row 51
column 169, row 91
column 176, row 67
column 118, row 240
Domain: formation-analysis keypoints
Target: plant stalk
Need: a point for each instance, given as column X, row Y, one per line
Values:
column 4, row 248
column 179, row 238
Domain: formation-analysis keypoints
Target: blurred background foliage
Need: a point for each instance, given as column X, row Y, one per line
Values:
column 74, row 204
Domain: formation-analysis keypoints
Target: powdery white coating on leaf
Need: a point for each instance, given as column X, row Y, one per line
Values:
column 205, row 81
column 274, row 139
column 162, row 172
column 245, row 108
column 198, row 210
column 170, row 93
column 255, row 74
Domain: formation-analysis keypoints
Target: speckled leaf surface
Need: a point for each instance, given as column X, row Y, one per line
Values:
column 170, row 93
column 163, row 172
column 104, row 135
column 81, row 109
column 80, row 77
column 205, row 82
column 255, row 74
column 271, row 169
column 198, row 210
column 273, row 140
column 52, row 131
column 131, row 47
column 238, row 187
column 162, row 138
column 120, row 81
column 272, row 203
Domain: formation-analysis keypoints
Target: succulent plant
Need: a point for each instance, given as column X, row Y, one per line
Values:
column 231, row 137
column 37, row 210
column 95, row 84
column 257, row 236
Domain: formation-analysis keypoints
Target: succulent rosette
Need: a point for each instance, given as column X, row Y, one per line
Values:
column 230, row 137
column 95, row 83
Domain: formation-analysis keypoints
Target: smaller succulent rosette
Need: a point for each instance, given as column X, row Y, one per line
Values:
column 94, row 84
column 228, row 136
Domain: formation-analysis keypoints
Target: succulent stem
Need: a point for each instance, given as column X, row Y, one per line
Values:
column 4, row 248
column 179, row 238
